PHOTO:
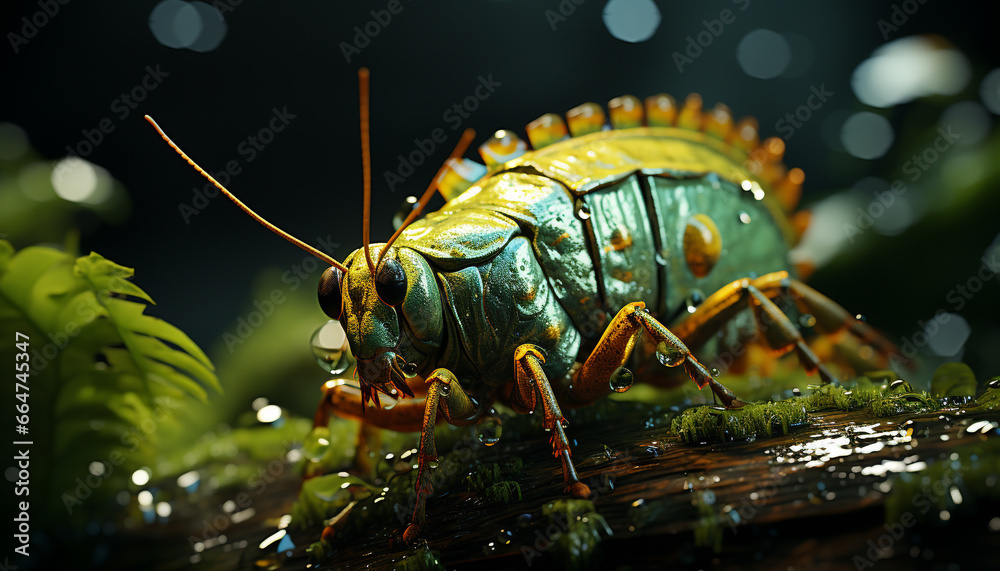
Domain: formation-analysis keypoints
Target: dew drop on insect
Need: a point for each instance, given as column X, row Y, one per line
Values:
column 806, row 320
column 744, row 218
column 488, row 429
column 410, row 370
column 715, row 372
column 621, row 380
column 432, row 464
column 582, row 209
column 661, row 257
column 669, row 355
column 330, row 347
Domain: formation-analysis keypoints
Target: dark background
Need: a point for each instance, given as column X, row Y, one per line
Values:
column 308, row 180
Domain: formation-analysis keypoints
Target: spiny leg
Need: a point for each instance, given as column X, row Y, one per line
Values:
column 781, row 335
column 532, row 386
column 444, row 393
column 592, row 381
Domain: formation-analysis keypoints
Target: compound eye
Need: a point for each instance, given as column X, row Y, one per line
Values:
column 390, row 282
column 330, row 298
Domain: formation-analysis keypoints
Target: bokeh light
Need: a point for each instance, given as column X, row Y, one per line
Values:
column 989, row 90
column 196, row 26
column 763, row 54
column 907, row 68
column 866, row 135
column 631, row 21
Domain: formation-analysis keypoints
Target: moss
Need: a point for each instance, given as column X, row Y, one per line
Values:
column 990, row 400
column 708, row 424
column 880, row 401
column 755, row 420
column 960, row 484
column 494, row 481
column 580, row 532
column 424, row 559
column 953, row 380
column 709, row 526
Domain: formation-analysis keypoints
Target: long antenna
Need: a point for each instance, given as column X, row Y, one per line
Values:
column 460, row 148
column 366, row 160
column 326, row 258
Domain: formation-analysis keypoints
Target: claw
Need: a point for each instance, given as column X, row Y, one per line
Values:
column 412, row 533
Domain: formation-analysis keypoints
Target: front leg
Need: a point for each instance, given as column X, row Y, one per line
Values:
column 592, row 381
column 444, row 393
column 532, row 386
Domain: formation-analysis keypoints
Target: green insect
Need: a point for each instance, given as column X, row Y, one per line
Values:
column 550, row 270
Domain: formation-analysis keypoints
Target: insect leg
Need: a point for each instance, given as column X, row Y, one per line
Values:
column 446, row 395
column 591, row 382
column 532, row 384
column 344, row 400
column 778, row 331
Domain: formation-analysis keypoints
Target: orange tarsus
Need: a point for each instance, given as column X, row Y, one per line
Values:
column 366, row 159
column 460, row 148
column 326, row 258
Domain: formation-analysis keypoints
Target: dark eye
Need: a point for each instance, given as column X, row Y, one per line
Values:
column 390, row 282
column 330, row 299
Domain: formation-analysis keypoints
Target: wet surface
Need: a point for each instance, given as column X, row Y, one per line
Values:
column 811, row 498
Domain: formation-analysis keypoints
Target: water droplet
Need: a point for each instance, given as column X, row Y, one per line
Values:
column 669, row 355
column 995, row 383
column 445, row 389
column 410, row 369
column 582, row 209
column 861, row 318
column 900, row 383
column 806, row 320
column 661, row 258
column 715, row 372
column 488, row 429
column 796, row 392
column 330, row 347
column 744, row 218
column 694, row 300
column 621, row 380
column 404, row 210
column 432, row 464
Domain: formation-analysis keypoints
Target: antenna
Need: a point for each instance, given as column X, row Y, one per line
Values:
column 326, row 258
column 366, row 161
column 460, row 149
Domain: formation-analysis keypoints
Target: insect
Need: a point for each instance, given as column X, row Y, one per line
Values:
column 535, row 282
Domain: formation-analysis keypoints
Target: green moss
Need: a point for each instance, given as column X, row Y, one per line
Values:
column 494, row 481
column 958, row 485
column 423, row 560
column 953, row 380
column 881, row 402
column 709, row 526
column 580, row 532
column 755, row 420
column 324, row 496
